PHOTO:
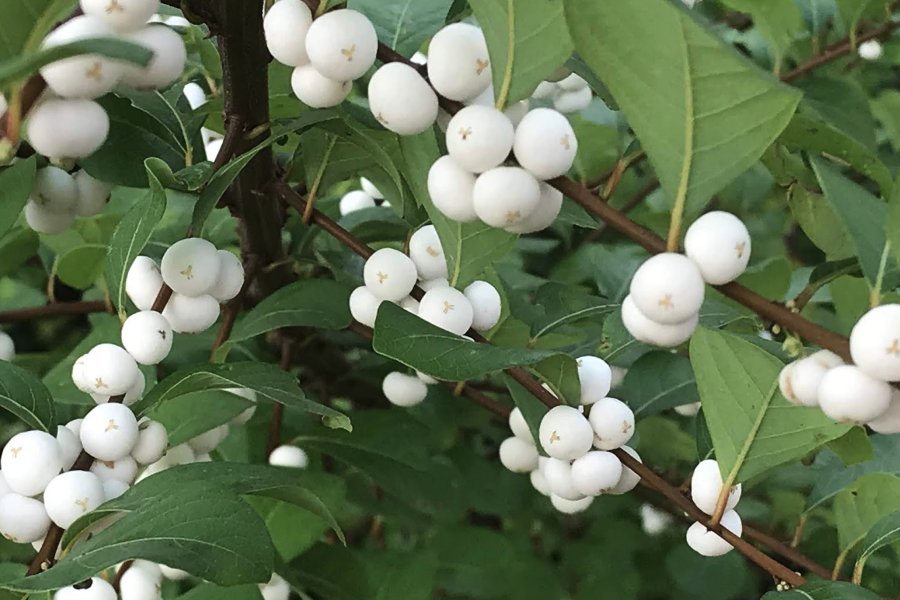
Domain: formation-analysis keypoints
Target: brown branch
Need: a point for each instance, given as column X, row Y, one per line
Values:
column 234, row 131
column 633, row 203
column 54, row 309
column 791, row 554
column 162, row 298
column 117, row 580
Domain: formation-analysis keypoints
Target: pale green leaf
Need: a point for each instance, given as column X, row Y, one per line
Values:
column 23, row 394
column 859, row 507
column 824, row 590
column 404, row 25
column 16, row 182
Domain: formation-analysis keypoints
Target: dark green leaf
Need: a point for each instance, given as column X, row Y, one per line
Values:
column 779, row 23
column 824, row 590
column 658, row 381
column 81, row 267
column 533, row 410
column 404, row 25
column 25, row 24
column 22, row 394
column 16, row 182
column 560, row 372
column 563, row 304
column 190, row 415
column 820, row 223
column 853, row 447
column 885, row 532
column 833, row 475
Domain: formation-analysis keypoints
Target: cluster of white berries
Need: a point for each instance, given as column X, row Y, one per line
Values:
column 361, row 199
column 67, row 123
column 667, row 290
column 578, row 442
column 706, row 487
column 200, row 277
column 327, row 54
column 858, row 393
column 58, row 197
column 569, row 91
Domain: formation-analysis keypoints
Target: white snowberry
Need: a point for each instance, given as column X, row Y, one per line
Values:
column 402, row 100
column 247, row 394
column 369, row 188
column 110, row 370
column 572, row 102
column 688, row 410
column 596, row 472
column 7, row 347
column 75, row 426
column 342, row 44
column 629, row 479
column 109, row 432
column 67, row 128
column 285, row 27
column 364, row 305
column 667, row 288
column 519, row 426
column 208, row 441
column 172, row 573
column 875, row 342
column 167, row 64
column 147, row 336
column 231, row 277
column 539, row 482
column 431, row 284
column 518, row 456
column 459, row 67
column 191, row 266
column 565, row 433
column 570, row 507
column 486, row 304
column 653, row 520
column 30, row 460
column 706, row 485
column 54, row 190
column 572, row 83
column 195, row 95
column 403, row 390
column 93, row 194
column 276, row 589
column 84, row 75
column 212, row 149
column 22, row 519
column 720, row 245
column 451, row 187
column 98, row 590
column 504, row 196
column 354, row 201
column 390, row 274
column 133, row 394
column 870, row 50
column 447, row 308
column 558, row 474
column 69, row 446
column 191, row 315
column 427, row 253
column 709, row 543
column 289, row 456
column 426, row 379
column 71, row 495
column 43, row 221
column 143, row 282
column 140, row 584
column 612, row 422
column 479, row 138
column 548, row 207
column 848, row 395
column 545, row 143
column 124, row 16
column 545, row 89
column 651, row 332
column 151, row 444
column 889, row 421
column 124, row 469
column 595, row 377
column 317, row 91
column 801, row 380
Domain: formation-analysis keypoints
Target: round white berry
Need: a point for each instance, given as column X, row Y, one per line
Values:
column 167, row 64
column 709, row 543
column 403, row 390
column 93, row 194
column 285, row 27
column 427, row 253
column 720, row 245
column 390, row 274
column 450, row 188
column 276, row 589
column 289, row 456
column 570, row 507
column 43, row 221
column 317, row 91
column 342, row 44
column 558, row 474
column 565, row 433
column 98, row 590
column 870, row 50
column 54, row 190
column 212, row 149
column 124, row 16
column 889, row 421
column 110, row 370
column 518, row 456
column 30, row 460
column 67, row 128
column 706, row 485
column 848, row 395
column 22, row 519
column 143, row 282
column 539, row 482
column 612, row 422
column 364, row 305
column 688, row 410
column 651, row 332
column 875, row 342
column 545, row 89
column 69, row 446
column 629, row 479
column 519, row 426
column 147, row 336
column 191, row 266
column 458, row 62
column 7, row 347
column 431, row 284
column 653, row 520
column 572, row 83
column 426, row 379
column 354, row 201
column 140, row 584
column 668, row 288
column 84, row 75
column 402, row 100
column 545, row 143
column 71, row 495
column 109, row 432
column 231, row 277
column 172, row 573
column 124, row 469
column 151, row 444
column 548, row 207
column 447, row 308
column 802, row 381
column 191, row 315
column 596, row 472
column 208, row 441
column 369, row 188
column 75, row 427
column 479, row 138
column 595, row 377
column 486, row 304
column 572, row 102
column 505, row 196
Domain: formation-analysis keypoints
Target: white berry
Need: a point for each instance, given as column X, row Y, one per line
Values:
column 172, row 573
column 612, row 422
column 709, row 543
column 109, row 432
column 30, row 460
column 875, row 342
column 518, row 456
column 147, row 336
column 143, row 282
column 801, row 380
column 595, row 377
column 458, row 63
column 848, row 395
column 342, row 44
column 167, row 64
column 276, row 589
column 447, row 308
column 548, row 207
column 706, row 486
column 191, row 315
column 354, row 201
column 285, row 27
column 364, row 305
column 93, row 194
column 519, row 426
column 558, row 474
column 870, row 50
column 720, row 245
column 124, row 16
column 54, row 190
column 545, row 89
column 545, row 143
column 69, row 446
column 84, row 75
column 571, row 102
column 369, row 188
column 505, row 196
column 889, row 421
column 140, row 584
column 191, row 266
column 688, row 410
column 151, row 444
column 67, row 128
column 402, row 100
column 479, row 138
column 629, row 479
column 539, row 482
column 570, row 507
column 7, row 347
column 316, row 90
column 208, row 441
column 572, row 83
column 486, row 304
column 110, row 370
column 72, row 495
column 596, row 472
column 289, row 456
column 668, row 288
column 44, row 221
column 451, row 190
column 248, row 394
column 124, row 469
column 390, row 274
column 651, row 332
column 98, row 590
column 22, row 519
column 565, row 433
column 231, row 277
column 403, row 390
column 427, row 253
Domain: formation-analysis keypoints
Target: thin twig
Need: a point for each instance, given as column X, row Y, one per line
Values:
column 117, row 579
column 54, row 309
column 234, row 131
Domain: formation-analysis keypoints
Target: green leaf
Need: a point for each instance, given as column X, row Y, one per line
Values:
column 411, row 579
column 560, row 372
column 885, row 532
column 703, row 113
column 853, row 11
column 190, row 415
column 863, row 215
column 320, row 303
column 404, row 25
column 209, row 591
column 780, row 23
column 658, row 381
column 563, row 304
column 25, row 24
column 131, row 235
column 16, row 182
column 526, row 40
column 859, row 507
column 824, row 590
column 22, row 394
column 197, row 525
column 533, row 410
column 753, row 427
column 833, row 475
column 886, row 108
column 853, row 447
column 81, row 267
column 268, row 381
column 820, row 223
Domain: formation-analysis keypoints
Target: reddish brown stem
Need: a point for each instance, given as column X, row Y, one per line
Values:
column 54, row 309
column 117, row 579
